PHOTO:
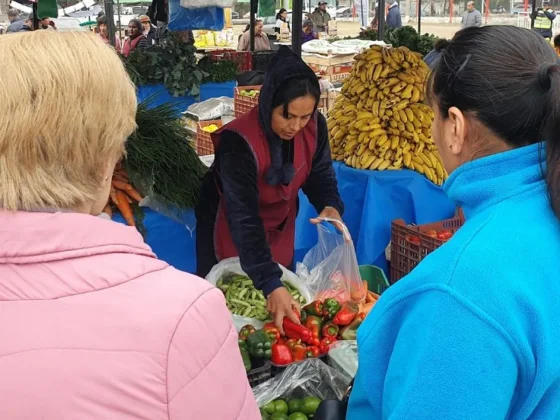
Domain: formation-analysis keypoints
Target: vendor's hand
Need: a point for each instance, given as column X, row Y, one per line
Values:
column 331, row 213
column 280, row 303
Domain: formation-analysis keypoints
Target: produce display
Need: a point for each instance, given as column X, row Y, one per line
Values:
column 253, row 93
column 292, row 409
column 442, row 235
column 378, row 122
column 123, row 194
column 243, row 299
column 323, row 322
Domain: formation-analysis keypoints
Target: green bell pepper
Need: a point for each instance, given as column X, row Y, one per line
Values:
column 259, row 345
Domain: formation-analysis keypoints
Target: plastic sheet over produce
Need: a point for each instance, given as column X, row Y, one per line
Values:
column 343, row 356
column 233, row 266
column 211, row 109
column 311, row 377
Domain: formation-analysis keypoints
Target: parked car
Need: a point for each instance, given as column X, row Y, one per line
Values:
column 234, row 15
column 520, row 8
column 344, row 12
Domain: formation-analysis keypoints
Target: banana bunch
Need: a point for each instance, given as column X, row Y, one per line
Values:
column 379, row 122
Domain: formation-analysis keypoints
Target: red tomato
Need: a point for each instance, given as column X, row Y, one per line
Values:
column 446, row 234
column 431, row 233
column 415, row 240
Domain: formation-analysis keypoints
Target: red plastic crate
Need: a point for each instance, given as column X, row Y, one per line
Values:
column 406, row 255
column 243, row 104
column 243, row 59
column 204, row 145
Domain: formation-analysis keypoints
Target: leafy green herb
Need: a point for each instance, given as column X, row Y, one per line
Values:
column 160, row 160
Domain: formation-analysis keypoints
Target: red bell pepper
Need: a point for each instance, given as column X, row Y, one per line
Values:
column 298, row 352
column 330, row 330
column 271, row 331
column 314, row 324
column 314, row 308
column 325, row 344
column 292, row 342
column 346, row 314
column 350, row 331
column 281, row 354
column 312, row 351
column 246, row 331
column 297, row 331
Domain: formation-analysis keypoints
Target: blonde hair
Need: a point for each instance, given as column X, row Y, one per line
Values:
column 67, row 108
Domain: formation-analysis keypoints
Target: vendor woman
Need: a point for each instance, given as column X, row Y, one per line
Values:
column 249, row 198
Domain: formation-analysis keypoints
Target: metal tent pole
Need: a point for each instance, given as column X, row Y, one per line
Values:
column 381, row 20
column 35, row 16
column 419, row 16
column 110, row 21
column 533, row 10
column 297, row 24
column 253, row 5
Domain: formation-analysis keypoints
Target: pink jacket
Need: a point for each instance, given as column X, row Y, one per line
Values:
column 93, row 326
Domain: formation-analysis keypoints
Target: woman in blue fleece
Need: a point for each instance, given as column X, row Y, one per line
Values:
column 474, row 331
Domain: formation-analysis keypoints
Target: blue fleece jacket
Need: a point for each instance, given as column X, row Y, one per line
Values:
column 474, row 331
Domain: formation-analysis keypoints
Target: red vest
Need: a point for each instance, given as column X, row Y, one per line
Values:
column 130, row 45
column 277, row 203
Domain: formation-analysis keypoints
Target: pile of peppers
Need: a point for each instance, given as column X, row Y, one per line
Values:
column 322, row 324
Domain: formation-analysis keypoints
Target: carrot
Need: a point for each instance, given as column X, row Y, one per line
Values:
column 114, row 196
column 121, row 185
column 108, row 210
column 134, row 194
column 124, row 208
column 368, row 307
column 120, row 177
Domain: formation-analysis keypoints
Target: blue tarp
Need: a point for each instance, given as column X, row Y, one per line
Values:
column 161, row 95
column 372, row 199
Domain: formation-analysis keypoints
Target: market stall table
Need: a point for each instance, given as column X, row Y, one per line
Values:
column 372, row 200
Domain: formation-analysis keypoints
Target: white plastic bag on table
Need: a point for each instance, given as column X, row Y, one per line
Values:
column 233, row 266
column 343, row 356
column 330, row 269
column 311, row 377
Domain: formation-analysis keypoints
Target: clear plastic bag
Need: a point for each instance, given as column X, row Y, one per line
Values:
column 311, row 377
column 183, row 19
column 343, row 356
column 330, row 268
column 233, row 266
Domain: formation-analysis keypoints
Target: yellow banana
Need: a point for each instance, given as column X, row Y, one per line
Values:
column 384, row 165
column 376, row 164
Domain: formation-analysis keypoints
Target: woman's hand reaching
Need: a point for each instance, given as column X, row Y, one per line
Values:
column 280, row 303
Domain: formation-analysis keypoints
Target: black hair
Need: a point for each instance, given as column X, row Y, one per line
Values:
column 294, row 88
column 441, row 44
column 102, row 20
column 279, row 14
column 557, row 40
column 508, row 78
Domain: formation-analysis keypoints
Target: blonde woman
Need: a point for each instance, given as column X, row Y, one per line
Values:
column 93, row 325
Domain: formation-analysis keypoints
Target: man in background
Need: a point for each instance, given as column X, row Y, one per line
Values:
column 321, row 17
column 16, row 22
column 394, row 19
column 471, row 17
column 543, row 18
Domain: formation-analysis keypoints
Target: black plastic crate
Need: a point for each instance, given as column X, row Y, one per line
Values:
column 261, row 59
column 260, row 374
